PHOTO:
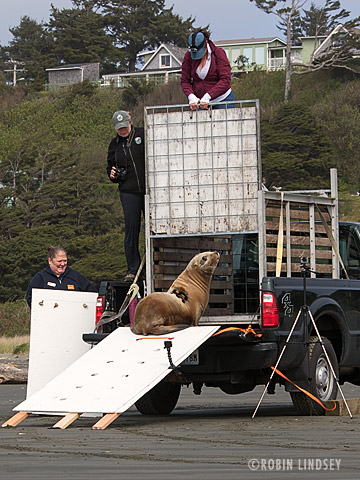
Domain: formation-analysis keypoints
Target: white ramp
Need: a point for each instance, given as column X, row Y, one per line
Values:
column 112, row 376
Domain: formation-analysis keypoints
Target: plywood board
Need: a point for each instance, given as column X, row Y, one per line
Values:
column 58, row 320
column 116, row 373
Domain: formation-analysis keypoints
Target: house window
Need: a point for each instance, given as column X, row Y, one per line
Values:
column 164, row 61
column 248, row 53
column 235, row 54
column 259, row 55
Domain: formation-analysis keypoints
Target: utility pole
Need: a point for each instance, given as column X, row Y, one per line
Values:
column 15, row 70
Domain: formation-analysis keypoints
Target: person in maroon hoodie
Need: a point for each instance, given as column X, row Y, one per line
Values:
column 206, row 73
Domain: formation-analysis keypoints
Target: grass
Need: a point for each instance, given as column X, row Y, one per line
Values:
column 14, row 327
column 14, row 319
column 349, row 210
column 15, row 345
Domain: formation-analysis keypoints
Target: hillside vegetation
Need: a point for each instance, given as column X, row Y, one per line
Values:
column 53, row 156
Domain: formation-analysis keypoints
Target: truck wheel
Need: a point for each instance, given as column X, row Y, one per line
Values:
column 323, row 385
column 160, row 400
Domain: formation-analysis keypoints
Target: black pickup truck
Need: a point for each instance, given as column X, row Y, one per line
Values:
column 237, row 359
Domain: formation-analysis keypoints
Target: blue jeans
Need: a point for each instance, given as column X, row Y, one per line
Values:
column 230, row 97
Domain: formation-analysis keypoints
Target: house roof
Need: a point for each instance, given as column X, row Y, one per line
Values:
column 177, row 52
column 142, row 72
column 72, row 66
column 326, row 44
column 248, row 40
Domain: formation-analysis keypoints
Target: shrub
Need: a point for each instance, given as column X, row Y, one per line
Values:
column 14, row 318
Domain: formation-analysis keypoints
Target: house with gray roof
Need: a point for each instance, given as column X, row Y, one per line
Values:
column 159, row 66
column 67, row 74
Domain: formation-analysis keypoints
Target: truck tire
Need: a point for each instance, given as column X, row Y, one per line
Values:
column 323, row 384
column 160, row 400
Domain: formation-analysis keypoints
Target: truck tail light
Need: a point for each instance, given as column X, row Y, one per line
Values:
column 270, row 312
column 100, row 307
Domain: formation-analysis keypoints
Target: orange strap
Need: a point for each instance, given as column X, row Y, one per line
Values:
column 305, row 391
column 246, row 331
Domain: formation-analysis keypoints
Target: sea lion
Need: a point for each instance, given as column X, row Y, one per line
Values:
column 183, row 304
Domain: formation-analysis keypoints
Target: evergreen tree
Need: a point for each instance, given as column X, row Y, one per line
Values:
column 322, row 20
column 79, row 37
column 294, row 151
column 137, row 25
column 31, row 45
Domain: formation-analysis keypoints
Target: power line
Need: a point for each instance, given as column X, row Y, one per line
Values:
column 15, row 70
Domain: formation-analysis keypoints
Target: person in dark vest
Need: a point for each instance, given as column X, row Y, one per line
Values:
column 206, row 73
column 58, row 276
column 126, row 167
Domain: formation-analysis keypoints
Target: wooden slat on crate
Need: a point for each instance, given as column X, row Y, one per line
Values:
column 300, row 240
column 183, row 257
column 296, row 214
column 205, row 243
column 296, row 227
column 166, row 284
column 295, row 267
column 297, row 252
column 177, row 269
column 216, row 312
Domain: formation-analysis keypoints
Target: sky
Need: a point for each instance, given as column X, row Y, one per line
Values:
column 228, row 19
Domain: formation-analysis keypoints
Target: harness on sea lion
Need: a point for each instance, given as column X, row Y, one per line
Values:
column 180, row 293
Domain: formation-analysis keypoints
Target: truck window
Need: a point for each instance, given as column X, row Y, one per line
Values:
column 349, row 244
column 245, row 272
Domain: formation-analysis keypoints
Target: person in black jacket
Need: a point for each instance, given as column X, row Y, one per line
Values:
column 58, row 276
column 126, row 167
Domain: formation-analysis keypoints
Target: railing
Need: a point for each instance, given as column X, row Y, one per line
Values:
column 280, row 63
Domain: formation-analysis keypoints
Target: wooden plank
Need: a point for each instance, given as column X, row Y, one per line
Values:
column 296, row 227
column 217, row 312
column 341, row 410
column 16, row 419
column 197, row 244
column 298, row 252
column 288, row 240
column 165, row 284
column 183, row 257
column 323, row 268
column 296, row 205
column 219, row 298
column 296, row 214
column 295, row 267
column 67, row 420
column 177, row 269
column 300, row 240
column 105, row 421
